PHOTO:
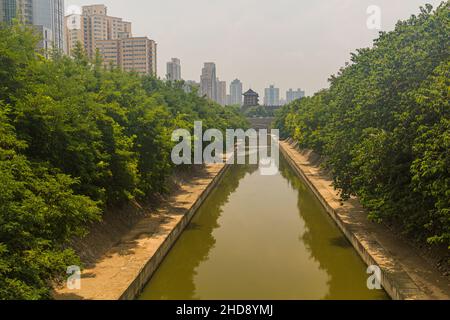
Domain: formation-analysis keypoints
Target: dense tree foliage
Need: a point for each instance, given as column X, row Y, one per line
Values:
column 383, row 126
column 258, row 112
column 75, row 139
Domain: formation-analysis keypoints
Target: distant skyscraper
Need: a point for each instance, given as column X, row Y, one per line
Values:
column 208, row 81
column 236, row 92
column 272, row 96
column 136, row 54
column 46, row 15
column 221, row 92
column 292, row 95
column 174, row 70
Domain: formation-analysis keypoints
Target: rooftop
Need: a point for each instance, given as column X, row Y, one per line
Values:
column 250, row 92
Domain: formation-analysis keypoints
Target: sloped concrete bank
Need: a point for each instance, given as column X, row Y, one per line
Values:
column 405, row 275
column 125, row 269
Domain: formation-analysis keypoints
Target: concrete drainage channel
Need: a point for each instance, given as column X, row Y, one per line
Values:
column 132, row 273
column 394, row 279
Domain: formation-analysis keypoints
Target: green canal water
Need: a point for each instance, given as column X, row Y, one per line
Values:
column 261, row 237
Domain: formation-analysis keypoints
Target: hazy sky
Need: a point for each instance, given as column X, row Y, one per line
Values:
column 289, row 43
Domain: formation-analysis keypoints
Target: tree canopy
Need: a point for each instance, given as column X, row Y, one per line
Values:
column 383, row 126
column 76, row 139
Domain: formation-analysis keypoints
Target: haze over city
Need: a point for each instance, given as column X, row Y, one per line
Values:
column 289, row 43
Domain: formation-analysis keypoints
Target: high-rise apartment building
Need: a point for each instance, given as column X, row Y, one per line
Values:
column 112, row 37
column 96, row 25
column 221, row 92
column 173, row 72
column 118, row 29
column 136, row 54
column 272, row 96
column 236, row 92
column 46, row 15
column 110, row 51
column 208, row 81
column 292, row 95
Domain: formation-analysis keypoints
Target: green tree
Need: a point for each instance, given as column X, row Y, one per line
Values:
column 382, row 126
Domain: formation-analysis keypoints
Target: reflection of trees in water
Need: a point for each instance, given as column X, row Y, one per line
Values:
column 195, row 246
column 325, row 243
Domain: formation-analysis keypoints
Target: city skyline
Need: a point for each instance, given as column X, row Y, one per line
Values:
column 297, row 55
column 232, row 94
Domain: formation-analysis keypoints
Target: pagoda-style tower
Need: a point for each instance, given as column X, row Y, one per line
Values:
column 251, row 99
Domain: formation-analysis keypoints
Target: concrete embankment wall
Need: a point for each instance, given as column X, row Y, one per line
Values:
column 123, row 271
column 351, row 218
column 142, row 278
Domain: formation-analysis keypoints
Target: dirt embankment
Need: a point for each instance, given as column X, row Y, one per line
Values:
column 408, row 272
column 117, row 222
column 438, row 256
column 121, row 253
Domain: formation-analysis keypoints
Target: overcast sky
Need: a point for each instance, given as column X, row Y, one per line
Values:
column 289, row 43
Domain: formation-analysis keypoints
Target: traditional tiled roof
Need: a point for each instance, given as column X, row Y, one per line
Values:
column 250, row 93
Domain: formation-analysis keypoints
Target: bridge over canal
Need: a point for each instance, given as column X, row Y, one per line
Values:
column 261, row 123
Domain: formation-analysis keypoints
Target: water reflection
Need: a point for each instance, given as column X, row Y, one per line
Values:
column 261, row 237
column 174, row 279
column 329, row 247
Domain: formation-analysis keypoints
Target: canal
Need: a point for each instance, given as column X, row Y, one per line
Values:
column 261, row 237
